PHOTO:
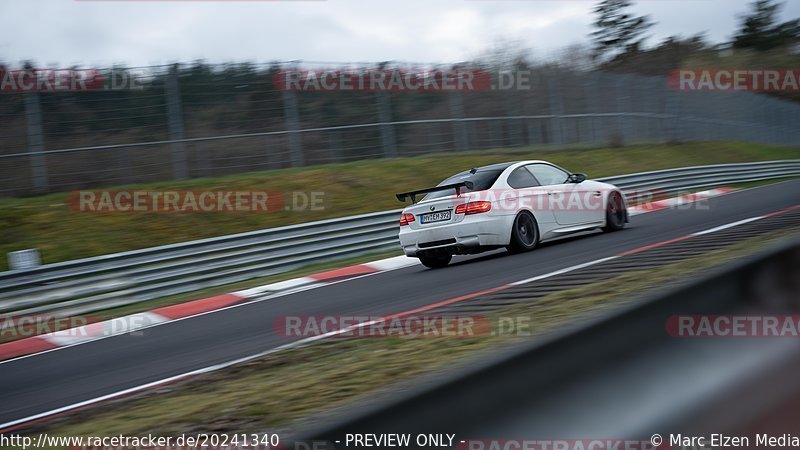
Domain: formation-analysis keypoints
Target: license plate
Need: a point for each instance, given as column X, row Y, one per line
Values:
column 440, row 216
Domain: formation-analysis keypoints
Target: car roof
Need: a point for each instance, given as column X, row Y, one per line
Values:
column 499, row 166
column 506, row 165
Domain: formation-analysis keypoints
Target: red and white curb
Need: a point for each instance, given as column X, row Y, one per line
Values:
column 133, row 322
column 137, row 321
column 383, row 265
column 676, row 202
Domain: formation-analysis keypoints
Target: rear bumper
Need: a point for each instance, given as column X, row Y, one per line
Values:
column 468, row 236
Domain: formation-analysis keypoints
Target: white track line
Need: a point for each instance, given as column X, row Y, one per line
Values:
column 728, row 225
column 565, row 270
column 142, row 387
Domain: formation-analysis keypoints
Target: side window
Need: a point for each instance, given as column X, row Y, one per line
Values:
column 548, row 175
column 521, row 178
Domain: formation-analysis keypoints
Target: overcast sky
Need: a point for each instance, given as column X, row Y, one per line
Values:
column 143, row 32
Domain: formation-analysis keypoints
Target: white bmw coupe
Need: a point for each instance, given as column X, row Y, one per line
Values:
column 514, row 205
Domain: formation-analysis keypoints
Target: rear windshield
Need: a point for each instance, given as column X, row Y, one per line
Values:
column 482, row 180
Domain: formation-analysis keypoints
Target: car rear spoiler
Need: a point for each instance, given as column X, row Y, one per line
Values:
column 413, row 194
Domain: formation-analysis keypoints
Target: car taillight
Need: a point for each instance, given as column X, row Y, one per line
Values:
column 473, row 208
column 406, row 218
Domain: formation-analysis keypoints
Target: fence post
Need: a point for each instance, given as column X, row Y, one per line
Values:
column 175, row 124
column 771, row 113
column 124, row 165
column 658, row 107
column 335, row 146
column 202, row 158
column 672, row 108
column 459, row 126
column 623, row 91
column 387, row 131
column 293, row 126
column 590, row 92
column 33, row 118
column 532, row 133
column 555, row 130
column 496, row 133
column 515, row 126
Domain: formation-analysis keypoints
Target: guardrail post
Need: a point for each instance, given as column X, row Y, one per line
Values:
column 33, row 118
column 175, row 124
column 385, row 119
column 293, row 126
column 459, row 126
column 555, row 129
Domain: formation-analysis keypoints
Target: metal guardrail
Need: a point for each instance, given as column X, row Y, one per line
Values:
column 697, row 177
column 91, row 284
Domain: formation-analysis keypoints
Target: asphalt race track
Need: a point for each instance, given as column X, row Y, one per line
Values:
column 44, row 382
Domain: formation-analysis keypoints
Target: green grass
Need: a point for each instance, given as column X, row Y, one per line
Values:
column 271, row 393
column 61, row 234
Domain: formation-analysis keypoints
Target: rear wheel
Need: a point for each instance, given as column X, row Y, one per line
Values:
column 615, row 213
column 435, row 261
column 524, row 233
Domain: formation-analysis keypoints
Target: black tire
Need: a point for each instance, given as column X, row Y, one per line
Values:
column 616, row 214
column 524, row 233
column 435, row 261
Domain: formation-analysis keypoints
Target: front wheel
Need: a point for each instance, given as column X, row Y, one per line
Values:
column 615, row 213
column 435, row 261
column 524, row 233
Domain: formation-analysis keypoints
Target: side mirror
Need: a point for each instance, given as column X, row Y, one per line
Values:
column 576, row 178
